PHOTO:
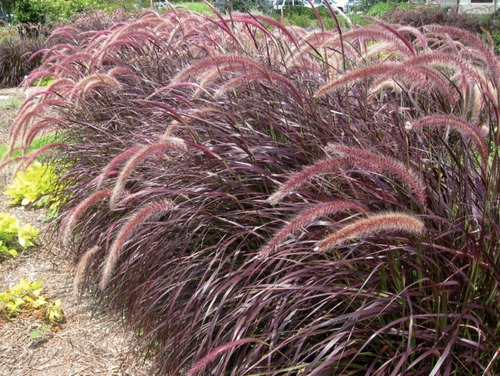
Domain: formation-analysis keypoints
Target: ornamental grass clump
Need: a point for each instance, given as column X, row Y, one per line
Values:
column 269, row 200
column 17, row 47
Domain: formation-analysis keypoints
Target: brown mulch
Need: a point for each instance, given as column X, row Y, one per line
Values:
column 89, row 342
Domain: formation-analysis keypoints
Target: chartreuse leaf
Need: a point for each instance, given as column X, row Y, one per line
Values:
column 26, row 297
column 36, row 187
column 14, row 237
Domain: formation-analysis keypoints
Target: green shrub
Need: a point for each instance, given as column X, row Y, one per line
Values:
column 14, row 237
column 49, row 11
column 306, row 18
column 9, row 103
column 378, row 9
column 198, row 7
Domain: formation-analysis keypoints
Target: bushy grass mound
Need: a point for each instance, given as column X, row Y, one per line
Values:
column 417, row 15
column 17, row 45
column 268, row 200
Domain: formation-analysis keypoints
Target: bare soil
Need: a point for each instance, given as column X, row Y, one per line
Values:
column 89, row 342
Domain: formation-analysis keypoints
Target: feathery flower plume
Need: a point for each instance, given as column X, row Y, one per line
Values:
column 201, row 364
column 270, row 76
column 67, row 31
column 61, row 86
column 475, row 42
column 277, row 25
column 114, row 162
column 75, row 214
column 370, row 225
column 438, row 58
column 94, row 80
column 25, row 118
column 350, row 156
column 40, row 126
column 172, row 143
column 416, row 32
column 124, row 234
column 215, row 61
column 459, row 124
column 392, row 30
column 30, row 158
column 376, row 32
column 322, row 167
column 39, row 74
column 305, row 217
column 376, row 162
column 389, row 69
column 81, row 266
column 179, row 84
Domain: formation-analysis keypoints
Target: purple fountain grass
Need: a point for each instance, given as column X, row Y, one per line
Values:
column 375, row 161
column 94, row 80
column 350, row 156
column 416, row 32
column 324, row 166
column 6, row 162
column 70, row 221
column 222, row 60
column 81, row 266
column 306, row 217
column 45, row 124
column 249, row 20
column 170, row 144
column 121, row 44
column 192, row 278
column 388, row 69
column 124, row 234
column 249, row 77
column 69, row 32
column 373, row 224
column 203, row 363
column 122, row 71
column 394, row 31
column 28, row 159
column 473, row 41
column 223, row 26
column 467, row 70
column 169, row 110
column 111, row 166
column 37, row 75
column 25, row 118
column 376, row 32
column 177, row 85
column 436, row 80
column 459, row 124
column 278, row 26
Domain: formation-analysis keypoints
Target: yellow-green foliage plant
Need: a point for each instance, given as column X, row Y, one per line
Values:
column 14, row 237
column 26, row 298
column 35, row 187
